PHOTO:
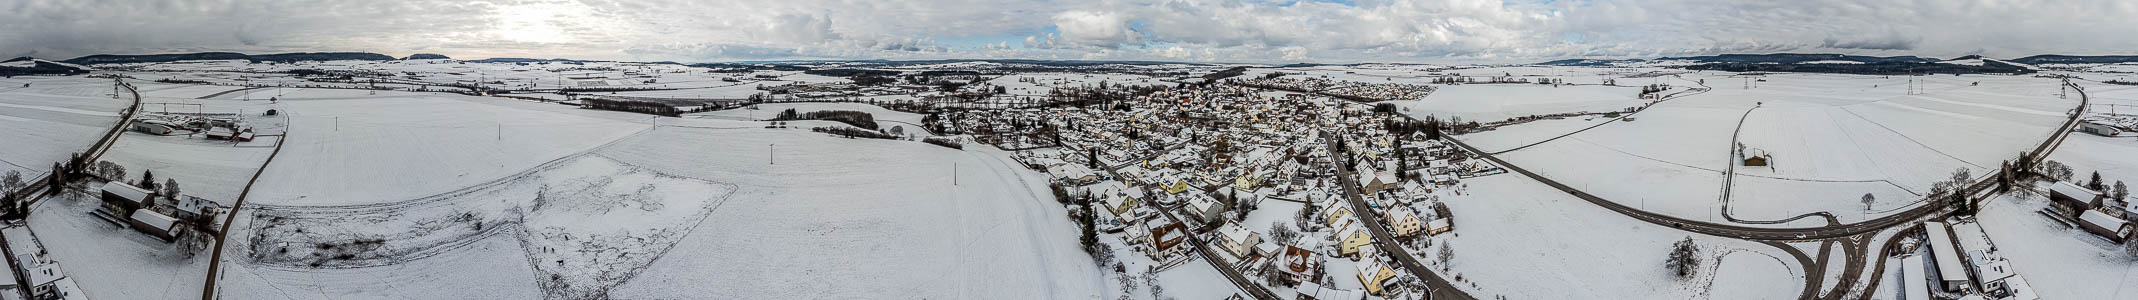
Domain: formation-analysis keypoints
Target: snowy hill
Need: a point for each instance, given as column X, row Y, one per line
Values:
column 33, row 66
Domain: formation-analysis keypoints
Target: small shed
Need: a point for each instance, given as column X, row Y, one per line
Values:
column 2098, row 129
column 155, row 224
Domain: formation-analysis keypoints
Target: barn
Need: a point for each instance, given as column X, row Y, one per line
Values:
column 2073, row 198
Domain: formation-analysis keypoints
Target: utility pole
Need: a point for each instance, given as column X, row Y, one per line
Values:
column 768, row 154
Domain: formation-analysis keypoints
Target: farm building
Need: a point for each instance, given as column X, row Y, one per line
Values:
column 156, row 127
column 1915, row 279
column 122, row 199
column 2106, row 226
column 154, row 224
column 1945, row 254
column 2073, row 198
column 2098, row 129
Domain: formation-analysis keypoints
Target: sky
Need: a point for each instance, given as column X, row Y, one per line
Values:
column 1242, row 31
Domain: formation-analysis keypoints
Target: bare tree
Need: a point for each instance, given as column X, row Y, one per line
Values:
column 11, row 181
column 1447, row 253
column 1867, row 200
column 1684, row 260
column 2131, row 248
column 170, row 188
column 192, row 240
column 1281, row 233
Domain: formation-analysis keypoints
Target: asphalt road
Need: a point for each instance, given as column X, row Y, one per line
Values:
column 1438, row 288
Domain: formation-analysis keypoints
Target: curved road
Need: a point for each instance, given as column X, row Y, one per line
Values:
column 1786, row 234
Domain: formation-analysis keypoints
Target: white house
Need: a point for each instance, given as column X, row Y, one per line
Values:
column 1238, row 240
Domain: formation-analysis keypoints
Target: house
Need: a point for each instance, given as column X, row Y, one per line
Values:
column 2073, row 198
column 2101, row 224
column 1238, row 240
column 1119, row 203
column 1375, row 276
column 1298, row 265
column 155, row 224
column 1165, row 240
column 1404, row 221
column 1350, row 239
column 1945, row 254
column 1205, row 208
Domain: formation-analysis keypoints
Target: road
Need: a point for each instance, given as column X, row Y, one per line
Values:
column 96, row 150
column 215, row 260
column 1201, row 248
column 1439, row 288
column 1781, row 234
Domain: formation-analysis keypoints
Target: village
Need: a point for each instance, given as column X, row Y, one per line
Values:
column 1203, row 182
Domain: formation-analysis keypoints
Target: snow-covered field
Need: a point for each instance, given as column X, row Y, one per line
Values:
column 1494, row 102
column 53, row 117
column 419, row 188
column 1831, row 139
column 1518, row 238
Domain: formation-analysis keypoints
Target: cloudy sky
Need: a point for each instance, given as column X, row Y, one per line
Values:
column 1257, row 31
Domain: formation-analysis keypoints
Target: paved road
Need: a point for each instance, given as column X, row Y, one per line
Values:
column 215, row 260
column 96, row 151
column 1201, row 248
column 1438, row 287
column 1782, row 234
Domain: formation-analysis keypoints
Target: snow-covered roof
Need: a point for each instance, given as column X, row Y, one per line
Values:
column 1914, row 278
column 1235, row 233
column 2097, row 218
column 2074, row 191
column 154, row 219
column 126, row 190
column 1946, row 254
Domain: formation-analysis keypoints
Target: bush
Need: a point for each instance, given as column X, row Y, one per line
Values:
column 945, row 142
column 853, row 133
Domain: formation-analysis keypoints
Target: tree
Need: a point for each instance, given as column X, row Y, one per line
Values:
column 2095, row 183
column 1280, row 233
column 1447, row 253
column 12, row 181
column 2120, row 191
column 2131, row 248
column 111, row 171
column 1867, row 200
column 170, row 188
column 1684, row 259
column 148, row 180
column 2056, row 170
column 193, row 239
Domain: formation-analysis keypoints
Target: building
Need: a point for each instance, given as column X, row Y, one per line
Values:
column 1375, row 276
column 156, row 127
column 122, row 199
column 1120, row 203
column 2073, row 198
column 1439, row 226
column 1298, row 265
column 2101, row 224
column 155, row 224
column 1351, row 239
column 1314, row 291
column 1238, row 240
column 1915, row 279
column 2098, row 129
column 1404, row 222
column 1165, row 240
column 1205, row 208
column 1945, row 254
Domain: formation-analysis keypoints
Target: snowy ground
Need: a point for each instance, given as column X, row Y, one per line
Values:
column 1837, row 137
column 53, row 117
column 836, row 218
column 885, row 118
column 1516, row 237
column 109, row 261
column 2060, row 262
column 1494, row 102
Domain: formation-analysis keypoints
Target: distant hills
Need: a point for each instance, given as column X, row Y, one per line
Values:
column 31, row 66
column 281, row 57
